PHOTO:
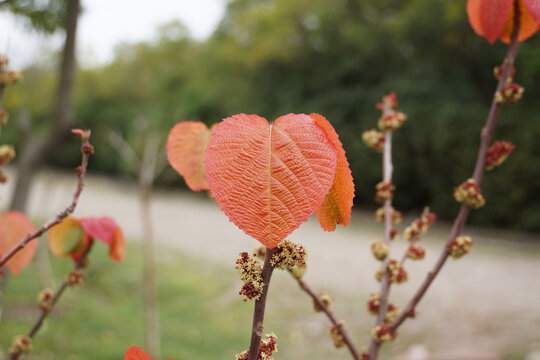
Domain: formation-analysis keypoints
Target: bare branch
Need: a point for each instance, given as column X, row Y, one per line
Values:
column 86, row 150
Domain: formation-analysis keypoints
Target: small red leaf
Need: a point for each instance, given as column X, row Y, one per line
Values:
column 14, row 226
column 268, row 179
column 105, row 229
column 336, row 208
column 136, row 353
column 186, row 145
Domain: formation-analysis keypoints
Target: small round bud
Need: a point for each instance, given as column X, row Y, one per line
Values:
column 21, row 344
column 415, row 252
column 470, row 194
column 45, row 299
column 384, row 191
column 379, row 250
column 88, row 149
column 374, row 139
column 391, row 120
column 393, row 233
column 3, row 117
column 509, row 94
column 7, row 153
column 373, row 303
column 497, row 72
column 459, row 246
column 396, row 215
column 268, row 346
column 75, row 277
column 381, row 333
column 326, row 301
column 397, row 272
column 497, row 153
column 335, row 334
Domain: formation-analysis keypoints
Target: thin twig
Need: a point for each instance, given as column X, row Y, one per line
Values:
column 331, row 317
column 86, row 150
column 486, row 135
column 45, row 312
column 385, row 280
column 260, row 305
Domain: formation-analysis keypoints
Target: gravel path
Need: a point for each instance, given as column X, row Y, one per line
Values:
column 488, row 302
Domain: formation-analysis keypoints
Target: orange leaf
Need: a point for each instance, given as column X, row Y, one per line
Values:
column 14, row 226
column 67, row 237
column 336, row 208
column 528, row 19
column 186, row 145
column 105, row 229
column 268, row 179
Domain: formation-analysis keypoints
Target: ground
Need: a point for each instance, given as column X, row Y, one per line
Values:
column 484, row 305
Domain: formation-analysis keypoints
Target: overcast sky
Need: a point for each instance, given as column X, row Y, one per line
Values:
column 106, row 23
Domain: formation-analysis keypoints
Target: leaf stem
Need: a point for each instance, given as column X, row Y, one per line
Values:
column 44, row 313
column 81, row 171
column 331, row 317
column 260, row 305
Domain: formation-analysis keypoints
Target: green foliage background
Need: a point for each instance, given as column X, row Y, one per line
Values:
column 337, row 58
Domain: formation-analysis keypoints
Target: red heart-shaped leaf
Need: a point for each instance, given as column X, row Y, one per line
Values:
column 269, row 178
column 14, row 226
column 186, row 146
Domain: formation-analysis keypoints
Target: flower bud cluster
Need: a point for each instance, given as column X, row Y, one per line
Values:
column 415, row 252
column 287, row 255
column 336, row 335
column 397, row 272
column 384, row 191
column 21, row 345
column 509, row 94
column 497, row 72
column 75, row 277
column 374, row 139
column 250, row 271
column 7, row 153
column 381, row 333
column 45, row 299
column 497, row 153
column 325, row 299
column 396, row 215
column 8, row 77
column 373, row 304
column 469, row 193
column 267, row 347
column 459, row 246
column 391, row 118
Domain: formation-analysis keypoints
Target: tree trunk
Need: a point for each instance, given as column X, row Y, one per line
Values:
column 36, row 150
column 149, row 274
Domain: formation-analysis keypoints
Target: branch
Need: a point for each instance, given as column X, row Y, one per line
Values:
column 385, row 280
column 260, row 305
column 460, row 220
column 331, row 317
column 86, row 150
column 45, row 312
